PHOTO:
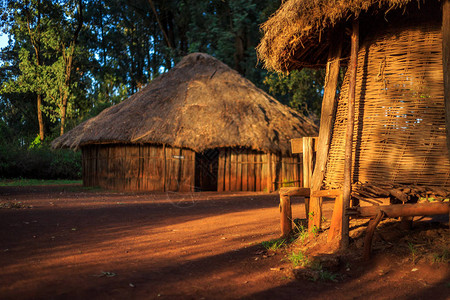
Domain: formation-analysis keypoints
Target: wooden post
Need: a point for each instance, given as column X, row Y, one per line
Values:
column 336, row 221
column 307, row 160
column 373, row 223
column 446, row 64
column 347, row 185
column 326, row 126
column 285, row 215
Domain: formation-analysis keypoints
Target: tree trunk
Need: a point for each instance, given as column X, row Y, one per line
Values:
column 39, row 115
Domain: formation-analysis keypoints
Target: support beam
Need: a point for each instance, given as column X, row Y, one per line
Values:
column 327, row 117
column 402, row 210
column 446, row 63
column 347, row 185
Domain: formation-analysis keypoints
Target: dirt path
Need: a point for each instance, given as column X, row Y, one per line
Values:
column 69, row 243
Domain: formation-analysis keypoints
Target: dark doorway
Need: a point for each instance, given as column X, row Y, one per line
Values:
column 206, row 169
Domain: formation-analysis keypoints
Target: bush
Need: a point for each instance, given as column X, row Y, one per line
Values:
column 39, row 163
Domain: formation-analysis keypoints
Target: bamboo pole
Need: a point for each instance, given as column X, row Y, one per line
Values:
column 347, row 185
column 326, row 126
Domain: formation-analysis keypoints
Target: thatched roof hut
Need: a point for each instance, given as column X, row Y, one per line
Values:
column 299, row 34
column 199, row 105
column 386, row 135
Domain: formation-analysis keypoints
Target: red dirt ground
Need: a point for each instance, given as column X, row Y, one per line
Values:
column 73, row 243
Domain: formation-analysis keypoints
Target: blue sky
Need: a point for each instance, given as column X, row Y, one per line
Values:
column 3, row 40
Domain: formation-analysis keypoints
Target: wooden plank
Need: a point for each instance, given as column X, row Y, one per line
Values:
column 239, row 171
column 295, row 191
column 251, row 171
column 308, row 144
column 244, row 156
column 347, row 184
column 297, row 146
column 264, row 172
column 326, row 193
column 328, row 113
column 227, row 169
column 335, row 232
column 258, row 166
column 233, row 169
column 269, row 175
column 221, row 171
column 446, row 64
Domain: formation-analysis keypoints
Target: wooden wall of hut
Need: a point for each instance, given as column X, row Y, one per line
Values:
column 248, row 170
column 163, row 168
column 138, row 167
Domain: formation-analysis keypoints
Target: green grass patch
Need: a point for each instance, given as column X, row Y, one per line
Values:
column 36, row 182
column 299, row 259
column 442, row 257
column 274, row 245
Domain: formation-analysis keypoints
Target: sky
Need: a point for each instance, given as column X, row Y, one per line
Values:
column 3, row 40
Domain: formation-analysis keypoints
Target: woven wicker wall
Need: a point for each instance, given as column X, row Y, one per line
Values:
column 399, row 113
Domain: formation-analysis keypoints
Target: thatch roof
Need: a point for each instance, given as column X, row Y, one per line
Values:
column 199, row 104
column 297, row 35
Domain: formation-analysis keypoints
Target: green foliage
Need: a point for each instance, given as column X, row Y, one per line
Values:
column 36, row 182
column 302, row 90
column 39, row 162
column 299, row 259
column 274, row 245
column 442, row 257
column 413, row 250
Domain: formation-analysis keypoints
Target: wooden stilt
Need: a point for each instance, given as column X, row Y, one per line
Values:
column 285, row 215
column 373, row 223
column 347, row 185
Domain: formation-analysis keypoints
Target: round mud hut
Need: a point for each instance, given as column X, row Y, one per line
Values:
column 199, row 127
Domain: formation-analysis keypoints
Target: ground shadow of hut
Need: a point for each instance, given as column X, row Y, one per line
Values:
column 201, row 126
column 397, row 135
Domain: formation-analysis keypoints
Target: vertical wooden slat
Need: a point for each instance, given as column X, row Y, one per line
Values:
column 269, row 175
column 227, row 170
column 446, row 64
column 221, row 171
column 258, row 166
column 347, row 184
column 251, row 171
column 244, row 157
column 307, row 161
column 239, row 171
column 192, row 170
column 233, row 170
column 264, row 172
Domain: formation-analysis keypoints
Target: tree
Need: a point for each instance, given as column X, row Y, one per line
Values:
column 47, row 49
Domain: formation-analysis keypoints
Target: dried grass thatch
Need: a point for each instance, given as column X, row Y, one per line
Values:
column 296, row 35
column 199, row 104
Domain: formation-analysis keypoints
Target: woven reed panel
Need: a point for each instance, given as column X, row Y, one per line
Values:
column 399, row 112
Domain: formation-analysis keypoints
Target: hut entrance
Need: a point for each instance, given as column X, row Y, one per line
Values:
column 206, row 170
